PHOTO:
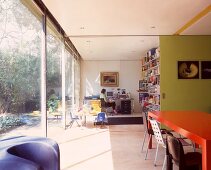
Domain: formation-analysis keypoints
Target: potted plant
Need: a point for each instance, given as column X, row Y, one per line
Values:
column 52, row 104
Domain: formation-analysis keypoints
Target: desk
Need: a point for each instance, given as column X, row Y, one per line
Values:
column 94, row 105
column 191, row 124
column 125, row 106
column 56, row 114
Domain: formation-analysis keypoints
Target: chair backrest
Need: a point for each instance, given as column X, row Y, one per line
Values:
column 175, row 150
column 71, row 115
column 103, row 103
column 70, row 112
column 157, row 132
column 101, row 117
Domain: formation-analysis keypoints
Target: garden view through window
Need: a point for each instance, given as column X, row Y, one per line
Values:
column 20, row 75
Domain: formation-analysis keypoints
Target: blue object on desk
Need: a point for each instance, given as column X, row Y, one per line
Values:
column 92, row 97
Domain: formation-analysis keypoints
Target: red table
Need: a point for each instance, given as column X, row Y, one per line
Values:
column 191, row 124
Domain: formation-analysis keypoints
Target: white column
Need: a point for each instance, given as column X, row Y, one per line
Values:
column 43, row 79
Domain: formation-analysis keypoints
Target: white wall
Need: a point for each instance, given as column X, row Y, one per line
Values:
column 129, row 75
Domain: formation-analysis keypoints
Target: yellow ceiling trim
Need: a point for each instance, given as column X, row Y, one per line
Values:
column 194, row 20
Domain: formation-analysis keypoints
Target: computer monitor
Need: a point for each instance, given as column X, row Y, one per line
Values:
column 122, row 96
column 109, row 94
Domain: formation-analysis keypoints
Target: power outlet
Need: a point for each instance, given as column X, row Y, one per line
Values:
column 163, row 95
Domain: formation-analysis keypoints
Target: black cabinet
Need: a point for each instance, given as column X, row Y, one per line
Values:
column 126, row 106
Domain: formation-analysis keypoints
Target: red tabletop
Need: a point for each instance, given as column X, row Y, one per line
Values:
column 191, row 124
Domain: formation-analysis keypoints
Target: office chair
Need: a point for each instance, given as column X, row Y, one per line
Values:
column 105, row 108
column 175, row 152
column 103, row 105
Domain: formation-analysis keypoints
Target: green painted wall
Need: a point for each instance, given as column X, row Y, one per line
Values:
column 184, row 94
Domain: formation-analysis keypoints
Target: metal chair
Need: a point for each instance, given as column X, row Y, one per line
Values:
column 175, row 152
column 148, row 131
column 73, row 118
column 160, row 141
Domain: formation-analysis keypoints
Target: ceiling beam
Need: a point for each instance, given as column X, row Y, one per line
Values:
column 58, row 27
column 100, row 36
column 194, row 20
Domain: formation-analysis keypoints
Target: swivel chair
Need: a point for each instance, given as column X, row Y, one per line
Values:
column 103, row 105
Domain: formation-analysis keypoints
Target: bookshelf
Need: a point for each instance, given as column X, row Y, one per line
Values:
column 149, row 85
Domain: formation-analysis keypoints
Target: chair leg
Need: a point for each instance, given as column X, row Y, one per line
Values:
column 101, row 124
column 194, row 146
column 77, row 123
column 156, row 154
column 150, row 137
column 145, row 133
column 71, row 123
column 164, row 162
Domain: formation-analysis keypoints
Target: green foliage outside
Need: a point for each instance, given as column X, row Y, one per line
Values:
column 9, row 122
column 52, row 102
column 20, row 57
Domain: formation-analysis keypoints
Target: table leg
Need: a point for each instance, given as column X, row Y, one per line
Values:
column 206, row 155
column 150, row 139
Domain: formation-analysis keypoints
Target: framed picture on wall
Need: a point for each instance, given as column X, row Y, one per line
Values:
column 206, row 69
column 109, row 79
column 188, row 69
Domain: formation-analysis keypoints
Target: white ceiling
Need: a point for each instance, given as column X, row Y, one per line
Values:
column 125, row 29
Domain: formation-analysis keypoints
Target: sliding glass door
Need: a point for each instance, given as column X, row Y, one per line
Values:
column 20, row 50
column 20, row 76
column 54, row 78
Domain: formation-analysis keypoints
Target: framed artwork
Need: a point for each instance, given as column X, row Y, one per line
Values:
column 188, row 69
column 109, row 79
column 206, row 69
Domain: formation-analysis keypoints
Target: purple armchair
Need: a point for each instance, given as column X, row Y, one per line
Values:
column 29, row 153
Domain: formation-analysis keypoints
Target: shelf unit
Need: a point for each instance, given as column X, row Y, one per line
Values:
column 149, row 86
column 126, row 106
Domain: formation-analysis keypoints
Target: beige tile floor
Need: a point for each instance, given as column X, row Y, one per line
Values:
column 114, row 147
